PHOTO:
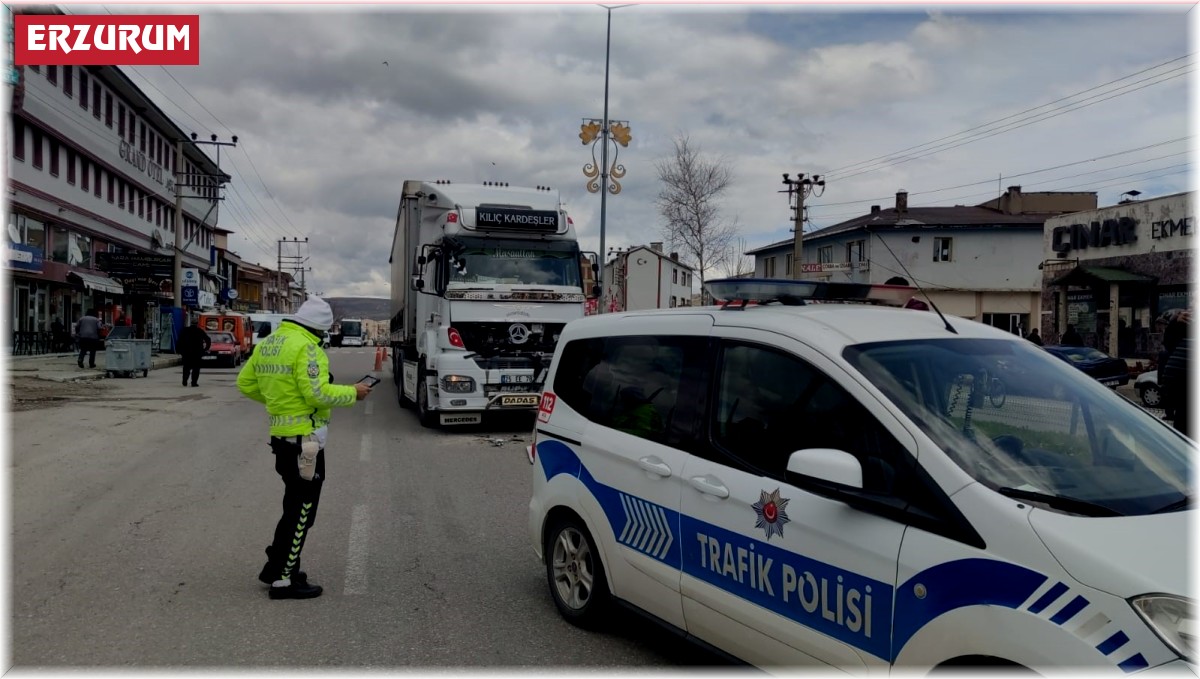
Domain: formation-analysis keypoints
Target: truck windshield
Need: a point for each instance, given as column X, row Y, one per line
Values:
column 518, row 265
column 1025, row 423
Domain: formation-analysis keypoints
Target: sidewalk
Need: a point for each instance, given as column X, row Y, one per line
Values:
column 63, row 367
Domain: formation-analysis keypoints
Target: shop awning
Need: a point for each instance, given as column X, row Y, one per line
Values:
column 97, row 282
column 1091, row 275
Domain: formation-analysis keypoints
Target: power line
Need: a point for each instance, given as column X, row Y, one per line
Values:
column 988, row 124
column 1010, row 126
column 1029, row 172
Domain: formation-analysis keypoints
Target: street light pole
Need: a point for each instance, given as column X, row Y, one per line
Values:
column 179, row 187
column 614, row 131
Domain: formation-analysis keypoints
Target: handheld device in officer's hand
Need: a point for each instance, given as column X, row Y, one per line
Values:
column 369, row 381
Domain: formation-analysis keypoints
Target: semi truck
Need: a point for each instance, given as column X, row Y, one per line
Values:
column 484, row 277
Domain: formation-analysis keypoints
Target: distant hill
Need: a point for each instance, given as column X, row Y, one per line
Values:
column 373, row 308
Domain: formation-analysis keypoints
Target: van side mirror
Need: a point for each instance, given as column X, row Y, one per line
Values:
column 829, row 465
column 421, row 260
column 595, row 291
column 417, row 284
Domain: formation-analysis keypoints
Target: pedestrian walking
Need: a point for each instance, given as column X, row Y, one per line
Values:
column 1174, row 375
column 194, row 343
column 289, row 373
column 1035, row 337
column 1072, row 338
column 87, row 331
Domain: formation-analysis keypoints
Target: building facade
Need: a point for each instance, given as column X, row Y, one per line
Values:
column 979, row 262
column 1112, row 272
column 92, row 170
column 644, row 277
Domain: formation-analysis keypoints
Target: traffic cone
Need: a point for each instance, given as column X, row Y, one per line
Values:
column 378, row 358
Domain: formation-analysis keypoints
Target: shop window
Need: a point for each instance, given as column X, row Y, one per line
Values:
column 1017, row 324
column 26, row 231
column 943, row 249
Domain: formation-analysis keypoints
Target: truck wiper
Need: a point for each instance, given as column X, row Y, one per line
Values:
column 1070, row 504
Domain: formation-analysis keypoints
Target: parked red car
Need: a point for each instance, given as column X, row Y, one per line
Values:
column 225, row 349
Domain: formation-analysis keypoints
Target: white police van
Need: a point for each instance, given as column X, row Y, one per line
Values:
column 829, row 485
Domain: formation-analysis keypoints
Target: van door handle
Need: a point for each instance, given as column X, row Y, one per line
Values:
column 710, row 486
column 655, row 466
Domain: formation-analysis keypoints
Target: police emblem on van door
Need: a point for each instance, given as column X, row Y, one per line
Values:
column 771, row 515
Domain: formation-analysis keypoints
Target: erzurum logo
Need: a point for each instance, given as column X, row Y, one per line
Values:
column 92, row 40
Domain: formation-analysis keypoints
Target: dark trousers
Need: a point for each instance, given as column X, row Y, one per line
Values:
column 191, row 366
column 88, row 346
column 300, row 499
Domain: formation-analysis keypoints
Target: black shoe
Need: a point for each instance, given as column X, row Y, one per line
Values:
column 81, row 365
column 194, row 384
column 296, row 590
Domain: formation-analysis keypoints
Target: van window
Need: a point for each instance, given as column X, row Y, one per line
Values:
column 770, row 404
column 633, row 384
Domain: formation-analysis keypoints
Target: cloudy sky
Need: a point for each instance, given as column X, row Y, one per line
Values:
column 964, row 95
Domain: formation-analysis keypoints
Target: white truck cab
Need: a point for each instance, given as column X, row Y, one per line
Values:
column 828, row 485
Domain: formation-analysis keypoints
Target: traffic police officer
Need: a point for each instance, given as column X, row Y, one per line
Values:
column 289, row 372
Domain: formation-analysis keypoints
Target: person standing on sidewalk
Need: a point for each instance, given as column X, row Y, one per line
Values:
column 289, row 373
column 87, row 330
column 194, row 343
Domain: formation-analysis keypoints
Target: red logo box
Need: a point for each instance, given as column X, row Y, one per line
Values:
column 93, row 40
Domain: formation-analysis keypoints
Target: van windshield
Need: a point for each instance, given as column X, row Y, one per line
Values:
column 1029, row 425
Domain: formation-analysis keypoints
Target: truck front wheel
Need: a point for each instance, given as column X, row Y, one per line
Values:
column 427, row 418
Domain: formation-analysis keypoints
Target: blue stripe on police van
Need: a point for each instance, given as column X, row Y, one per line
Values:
column 1134, row 664
column 955, row 584
column 647, row 528
column 1048, row 598
column 841, row 604
column 1113, row 643
column 1070, row 610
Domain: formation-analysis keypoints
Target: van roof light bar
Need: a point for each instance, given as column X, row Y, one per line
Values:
column 746, row 291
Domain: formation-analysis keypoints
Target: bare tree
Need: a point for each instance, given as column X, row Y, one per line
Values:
column 734, row 261
column 689, row 203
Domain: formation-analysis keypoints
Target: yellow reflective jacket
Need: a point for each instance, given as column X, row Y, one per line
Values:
column 290, row 374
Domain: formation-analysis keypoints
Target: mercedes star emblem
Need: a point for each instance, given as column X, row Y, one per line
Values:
column 518, row 333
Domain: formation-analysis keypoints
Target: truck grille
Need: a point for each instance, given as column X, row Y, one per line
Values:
column 490, row 340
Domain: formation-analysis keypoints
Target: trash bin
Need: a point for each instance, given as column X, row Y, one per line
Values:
column 127, row 356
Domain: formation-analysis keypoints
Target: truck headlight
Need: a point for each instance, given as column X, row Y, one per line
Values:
column 1172, row 620
column 458, row 384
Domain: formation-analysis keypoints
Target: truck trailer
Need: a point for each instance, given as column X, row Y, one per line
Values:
column 484, row 277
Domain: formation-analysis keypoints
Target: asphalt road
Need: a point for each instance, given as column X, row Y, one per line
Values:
column 141, row 510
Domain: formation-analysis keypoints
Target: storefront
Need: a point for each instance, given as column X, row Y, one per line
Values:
column 1111, row 273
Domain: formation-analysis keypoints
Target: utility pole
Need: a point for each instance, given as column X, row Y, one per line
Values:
column 177, row 276
column 801, row 187
column 295, row 262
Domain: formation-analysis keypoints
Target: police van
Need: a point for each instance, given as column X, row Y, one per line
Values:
column 805, row 476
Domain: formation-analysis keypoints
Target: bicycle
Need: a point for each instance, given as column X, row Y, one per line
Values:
column 994, row 389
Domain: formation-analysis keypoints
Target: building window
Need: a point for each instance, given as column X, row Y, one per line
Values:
column 1017, row 324
column 18, row 139
column 121, row 120
column 856, row 251
column 70, row 248
column 83, row 175
column 70, row 166
column 672, row 301
column 943, row 249
column 35, row 69
column 53, row 157
column 112, row 182
column 68, row 82
column 83, row 89
column 96, row 178
column 769, row 267
column 96, row 100
column 120, row 193
column 52, row 74
column 141, row 202
column 108, row 108
column 37, row 148
column 131, row 194
column 825, row 254
column 27, row 231
column 143, row 136
column 675, row 276
column 787, row 265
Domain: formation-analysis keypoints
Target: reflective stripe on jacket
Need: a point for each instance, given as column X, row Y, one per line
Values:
column 290, row 374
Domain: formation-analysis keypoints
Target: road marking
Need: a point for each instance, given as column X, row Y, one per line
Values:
column 370, row 407
column 356, row 557
column 364, row 452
